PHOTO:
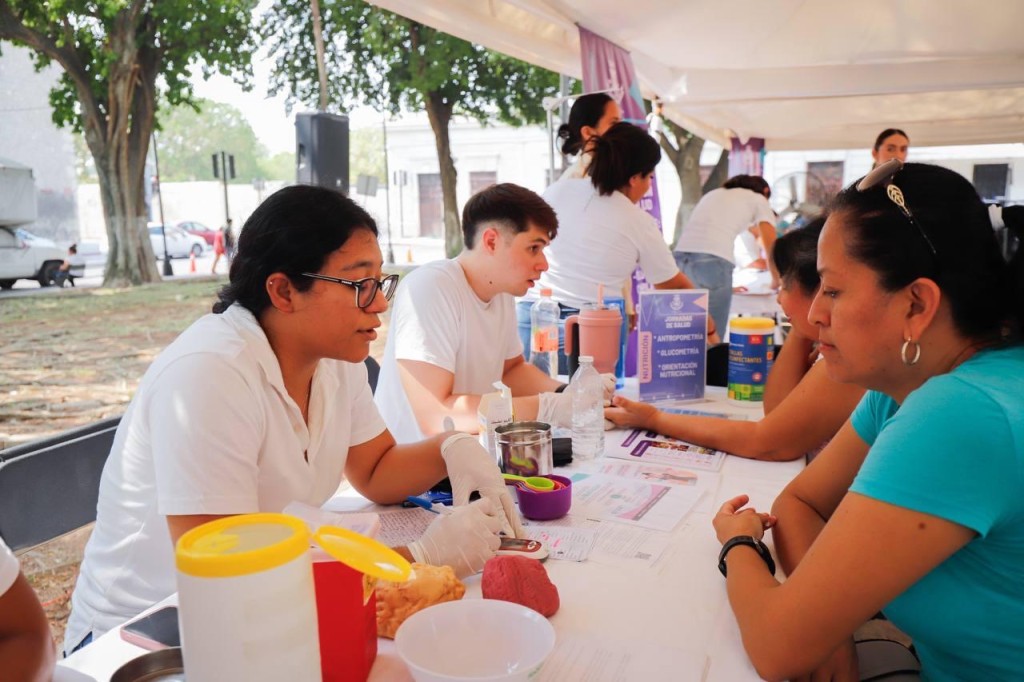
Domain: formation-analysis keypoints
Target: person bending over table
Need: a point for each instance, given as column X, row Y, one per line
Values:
column 266, row 402
column 915, row 507
column 453, row 327
column 603, row 234
column 26, row 647
column 803, row 407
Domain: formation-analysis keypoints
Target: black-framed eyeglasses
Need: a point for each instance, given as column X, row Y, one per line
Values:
column 883, row 175
column 366, row 288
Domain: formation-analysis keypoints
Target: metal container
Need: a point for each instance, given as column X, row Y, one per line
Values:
column 525, row 448
column 164, row 665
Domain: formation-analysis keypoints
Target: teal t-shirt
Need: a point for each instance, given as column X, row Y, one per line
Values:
column 955, row 449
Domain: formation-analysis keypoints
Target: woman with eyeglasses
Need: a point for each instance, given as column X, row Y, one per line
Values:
column 915, row 507
column 803, row 407
column 266, row 402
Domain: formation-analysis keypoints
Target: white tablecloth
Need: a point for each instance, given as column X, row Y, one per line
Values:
column 669, row 621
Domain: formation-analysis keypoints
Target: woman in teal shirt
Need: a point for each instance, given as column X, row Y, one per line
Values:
column 916, row 505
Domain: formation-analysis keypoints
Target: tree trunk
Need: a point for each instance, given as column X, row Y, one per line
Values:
column 440, row 113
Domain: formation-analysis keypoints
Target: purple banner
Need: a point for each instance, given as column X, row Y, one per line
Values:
column 672, row 333
column 607, row 67
column 746, row 158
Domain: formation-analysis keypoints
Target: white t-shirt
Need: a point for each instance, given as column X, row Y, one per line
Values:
column 9, row 568
column 719, row 217
column 600, row 240
column 437, row 318
column 211, row 430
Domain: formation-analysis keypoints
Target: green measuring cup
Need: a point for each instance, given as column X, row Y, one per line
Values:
column 534, row 482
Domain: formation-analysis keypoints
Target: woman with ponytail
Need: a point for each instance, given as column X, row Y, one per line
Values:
column 602, row 233
column 591, row 115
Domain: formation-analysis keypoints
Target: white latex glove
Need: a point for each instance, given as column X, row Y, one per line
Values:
column 555, row 409
column 608, row 386
column 472, row 468
column 465, row 538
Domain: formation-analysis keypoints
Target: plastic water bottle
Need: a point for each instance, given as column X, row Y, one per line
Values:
column 544, row 317
column 587, row 389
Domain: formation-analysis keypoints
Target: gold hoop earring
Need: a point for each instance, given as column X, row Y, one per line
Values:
column 910, row 362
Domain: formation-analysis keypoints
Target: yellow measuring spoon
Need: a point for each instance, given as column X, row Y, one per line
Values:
column 535, row 482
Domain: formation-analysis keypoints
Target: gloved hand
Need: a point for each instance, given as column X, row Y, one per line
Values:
column 555, row 408
column 472, row 468
column 609, row 387
column 464, row 539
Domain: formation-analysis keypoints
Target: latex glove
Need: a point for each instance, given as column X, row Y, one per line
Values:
column 471, row 468
column 555, row 409
column 464, row 538
column 608, row 386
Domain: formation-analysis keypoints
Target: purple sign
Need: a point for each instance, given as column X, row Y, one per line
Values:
column 609, row 68
column 672, row 344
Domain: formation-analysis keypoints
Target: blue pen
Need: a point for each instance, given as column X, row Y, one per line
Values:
column 428, row 505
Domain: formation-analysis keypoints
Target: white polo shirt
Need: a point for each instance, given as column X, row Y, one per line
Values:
column 9, row 568
column 211, row 430
column 437, row 318
column 601, row 240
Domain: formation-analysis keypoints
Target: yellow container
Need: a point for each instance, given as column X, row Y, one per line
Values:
column 751, row 352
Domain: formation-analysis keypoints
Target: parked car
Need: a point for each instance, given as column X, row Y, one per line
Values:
column 179, row 243
column 199, row 230
column 22, row 258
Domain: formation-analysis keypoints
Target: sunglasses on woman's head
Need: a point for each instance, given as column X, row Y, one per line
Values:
column 882, row 175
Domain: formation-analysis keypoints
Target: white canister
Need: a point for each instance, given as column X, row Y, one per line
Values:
column 246, row 601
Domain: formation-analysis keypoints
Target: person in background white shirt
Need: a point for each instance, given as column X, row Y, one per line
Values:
column 453, row 326
column 591, row 115
column 26, row 648
column 603, row 234
column 266, row 402
column 705, row 249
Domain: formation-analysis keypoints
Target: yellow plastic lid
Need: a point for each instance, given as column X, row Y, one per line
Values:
column 362, row 553
column 241, row 545
column 752, row 323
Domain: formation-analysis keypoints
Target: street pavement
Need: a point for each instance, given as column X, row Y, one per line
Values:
column 94, row 276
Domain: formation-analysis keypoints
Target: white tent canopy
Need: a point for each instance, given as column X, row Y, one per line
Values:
column 802, row 75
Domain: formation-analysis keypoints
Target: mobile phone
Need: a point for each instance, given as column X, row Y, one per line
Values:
column 156, row 630
column 531, row 549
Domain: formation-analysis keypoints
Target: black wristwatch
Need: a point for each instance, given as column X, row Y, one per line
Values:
column 758, row 546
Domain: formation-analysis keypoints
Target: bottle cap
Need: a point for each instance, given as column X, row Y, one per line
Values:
column 546, row 291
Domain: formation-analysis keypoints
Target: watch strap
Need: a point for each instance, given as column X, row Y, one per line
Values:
column 758, row 546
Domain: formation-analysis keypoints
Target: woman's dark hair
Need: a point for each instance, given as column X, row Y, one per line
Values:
column 622, row 152
column 587, row 110
column 982, row 289
column 755, row 183
column 292, row 232
column 795, row 256
column 887, row 133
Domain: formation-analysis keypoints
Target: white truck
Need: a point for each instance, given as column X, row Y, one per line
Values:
column 22, row 256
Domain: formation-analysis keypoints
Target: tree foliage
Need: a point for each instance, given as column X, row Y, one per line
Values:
column 392, row 63
column 120, row 59
column 188, row 137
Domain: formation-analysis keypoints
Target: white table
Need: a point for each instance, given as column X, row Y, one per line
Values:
column 673, row 618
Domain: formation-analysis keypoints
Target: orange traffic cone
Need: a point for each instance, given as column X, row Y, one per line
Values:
column 192, row 262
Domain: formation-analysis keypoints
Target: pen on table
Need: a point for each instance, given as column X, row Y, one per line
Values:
column 428, row 505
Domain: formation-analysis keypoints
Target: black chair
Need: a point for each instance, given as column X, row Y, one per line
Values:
column 372, row 372
column 50, row 487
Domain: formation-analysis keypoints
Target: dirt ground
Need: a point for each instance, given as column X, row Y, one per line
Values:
column 74, row 358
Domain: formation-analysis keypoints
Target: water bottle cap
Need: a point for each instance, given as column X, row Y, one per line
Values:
column 546, row 291
column 587, row 358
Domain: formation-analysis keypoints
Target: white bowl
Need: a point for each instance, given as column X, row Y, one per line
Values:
column 475, row 639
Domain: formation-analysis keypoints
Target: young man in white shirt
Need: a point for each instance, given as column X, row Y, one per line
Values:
column 26, row 648
column 453, row 325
